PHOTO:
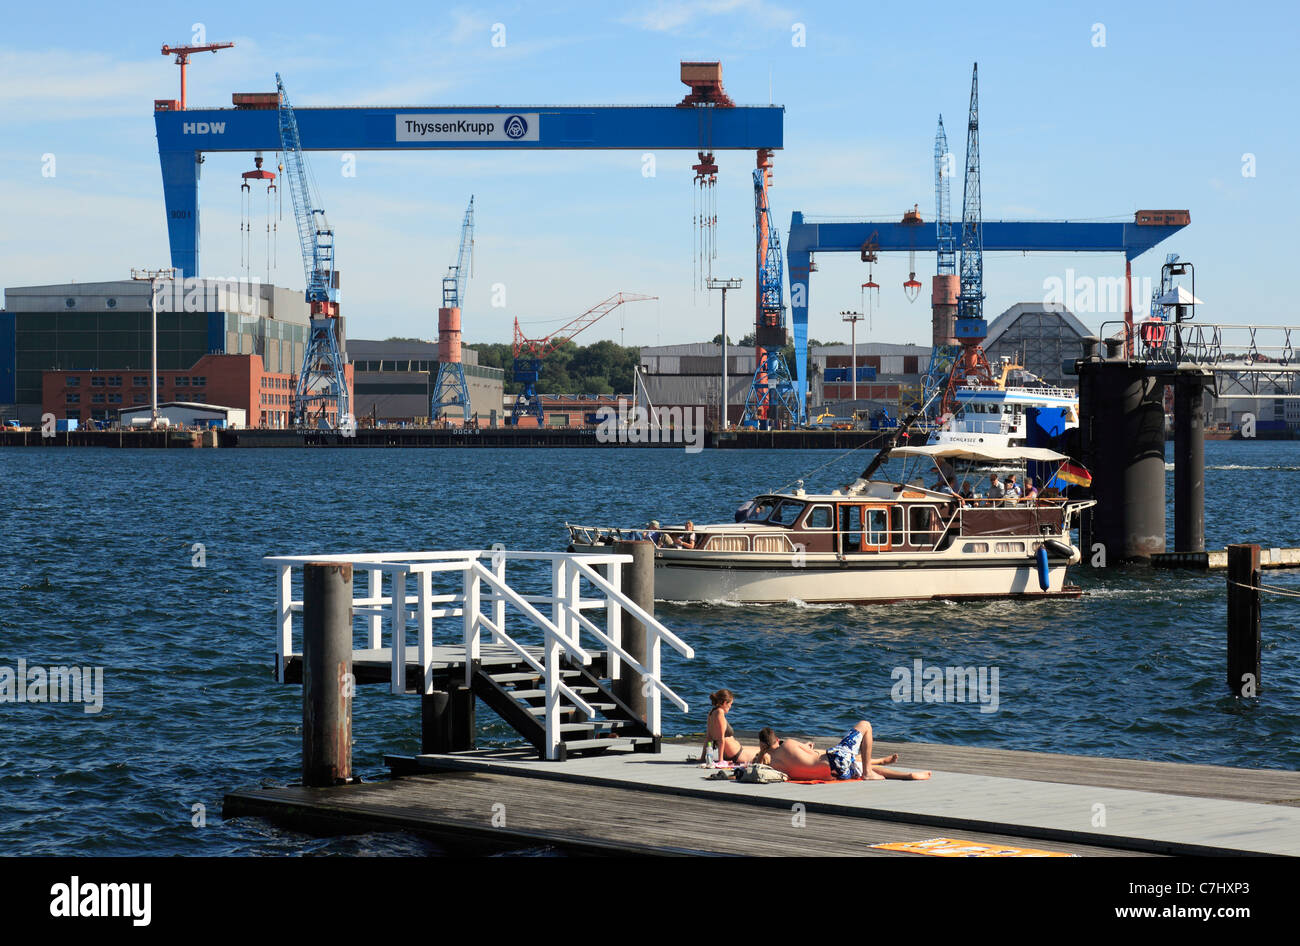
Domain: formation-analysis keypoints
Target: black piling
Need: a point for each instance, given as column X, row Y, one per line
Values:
column 1243, row 619
column 447, row 720
column 1189, row 463
column 1122, row 442
column 638, row 583
column 327, row 679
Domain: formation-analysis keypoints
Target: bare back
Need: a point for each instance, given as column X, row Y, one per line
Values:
column 798, row 761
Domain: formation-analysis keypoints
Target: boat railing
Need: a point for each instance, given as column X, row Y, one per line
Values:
column 477, row 600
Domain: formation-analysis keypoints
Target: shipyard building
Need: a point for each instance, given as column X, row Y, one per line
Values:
column 395, row 380
column 82, row 351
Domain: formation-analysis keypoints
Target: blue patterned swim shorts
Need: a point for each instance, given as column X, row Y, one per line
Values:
column 843, row 757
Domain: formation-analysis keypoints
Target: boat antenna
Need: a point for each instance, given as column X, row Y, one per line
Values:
column 893, row 439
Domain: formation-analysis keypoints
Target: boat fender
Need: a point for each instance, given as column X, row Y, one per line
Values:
column 1060, row 548
column 1044, row 576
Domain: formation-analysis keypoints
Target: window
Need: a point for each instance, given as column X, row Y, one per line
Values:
column 74, row 382
column 139, row 398
column 877, row 527
column 115, row 381
column 896, row 536
column 73, row 398
column 97, row 399
column 975, row 547
column 787, row 513
column 140, row 381
column 923, row 525
column 761, row 510
column 199, row 381
column 819, row 517
column 96, row 381
column 115, row 399
column 182, row 381
column 1008, row 548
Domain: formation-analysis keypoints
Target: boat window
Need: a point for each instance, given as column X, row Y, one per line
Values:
column 851, row 526
column 877, row 527
column 896, row 537
column 787, row 513
column 975, row 547
column 1008, row 547
column 761, row 510
column 819, row 517
column 923, row 525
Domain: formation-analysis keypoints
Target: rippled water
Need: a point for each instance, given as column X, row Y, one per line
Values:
column 95, row 570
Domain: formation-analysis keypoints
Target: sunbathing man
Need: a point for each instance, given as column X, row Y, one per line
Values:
column 848, row 759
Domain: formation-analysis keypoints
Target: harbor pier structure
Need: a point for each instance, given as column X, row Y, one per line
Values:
column 1122, row 425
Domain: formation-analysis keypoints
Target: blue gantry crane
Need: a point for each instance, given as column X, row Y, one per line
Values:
column 321, row 397
column 772, row 385
column 450, row 390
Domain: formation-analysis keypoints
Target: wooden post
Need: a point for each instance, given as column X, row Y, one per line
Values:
column 638, row 584
column 327, row 679
column 1243, row 620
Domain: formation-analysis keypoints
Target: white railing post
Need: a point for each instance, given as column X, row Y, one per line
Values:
column 498, row 599
column 397, row 628
column 375, row 591
column 284, row 628
column 572, row 598
column 470, row 591
column 559, row 614
column 425, row 621
column 653, row 700
column 614, row 618
column 551, row 676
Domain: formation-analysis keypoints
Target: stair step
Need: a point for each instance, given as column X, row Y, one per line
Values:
column 530, row 694
column 601, row 707
column 593, row 724
column 527, row 675
column 578, row 745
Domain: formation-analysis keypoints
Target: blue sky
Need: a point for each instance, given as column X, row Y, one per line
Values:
column 1160, row 116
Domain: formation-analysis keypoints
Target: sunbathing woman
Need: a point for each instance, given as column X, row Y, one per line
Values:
column 850, row 758
column 720, row 732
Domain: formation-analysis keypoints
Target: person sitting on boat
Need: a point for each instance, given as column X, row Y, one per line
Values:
column 996, row 488
column 850, row 758
column 1031, row 491
column 1012, row 491
column 688, row 538
column 966, row 492
column 720, row 732
column 660, row 539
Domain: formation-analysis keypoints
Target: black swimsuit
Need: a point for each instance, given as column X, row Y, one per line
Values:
column 731, row 734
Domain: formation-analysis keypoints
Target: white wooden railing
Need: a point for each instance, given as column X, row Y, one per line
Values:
column 480, row 601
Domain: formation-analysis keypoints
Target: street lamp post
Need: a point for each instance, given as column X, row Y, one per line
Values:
column 853, row 318
column 153, row 276
column 724, row 285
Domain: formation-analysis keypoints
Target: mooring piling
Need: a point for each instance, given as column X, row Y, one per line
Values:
column 638, row 584
column 328, row 681
column 1243, row 619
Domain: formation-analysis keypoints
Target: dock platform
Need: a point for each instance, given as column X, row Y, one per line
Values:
column 634, row 803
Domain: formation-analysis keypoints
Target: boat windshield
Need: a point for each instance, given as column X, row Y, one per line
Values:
column 787, row 513
column 761, row 510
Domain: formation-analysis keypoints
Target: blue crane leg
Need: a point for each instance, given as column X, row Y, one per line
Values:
column 180, row 174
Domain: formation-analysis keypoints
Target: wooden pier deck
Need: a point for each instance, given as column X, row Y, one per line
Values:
column 626, row 803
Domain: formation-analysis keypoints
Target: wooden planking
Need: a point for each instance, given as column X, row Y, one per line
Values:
column 457, row 808
column 1264, row 786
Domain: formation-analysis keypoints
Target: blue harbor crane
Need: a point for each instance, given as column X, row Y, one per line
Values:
column 971, row 328
column 943, row 355
column 773, row 385
column 322, row 392
column 451, row 389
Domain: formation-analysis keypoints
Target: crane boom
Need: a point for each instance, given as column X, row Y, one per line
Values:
column 541, row 347
column 315, row 237
column 453, row 284
column 947, row 262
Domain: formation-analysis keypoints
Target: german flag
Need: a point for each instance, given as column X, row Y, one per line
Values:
column 1074, row 473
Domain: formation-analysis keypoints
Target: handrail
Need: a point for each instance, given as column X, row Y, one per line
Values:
column 560, row 632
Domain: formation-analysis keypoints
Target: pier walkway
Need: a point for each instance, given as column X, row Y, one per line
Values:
column 631, row 803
